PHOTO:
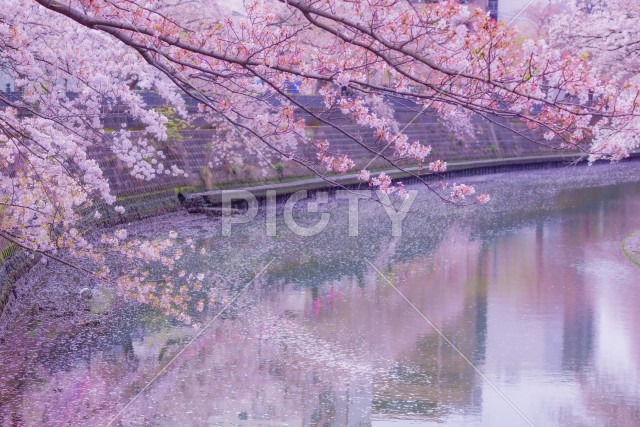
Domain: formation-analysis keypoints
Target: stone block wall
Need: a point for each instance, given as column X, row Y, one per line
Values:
column 192, row 152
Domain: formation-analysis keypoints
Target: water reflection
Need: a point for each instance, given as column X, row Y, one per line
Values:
column 535, row 292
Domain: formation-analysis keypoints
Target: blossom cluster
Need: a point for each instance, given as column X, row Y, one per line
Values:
column 340, row 163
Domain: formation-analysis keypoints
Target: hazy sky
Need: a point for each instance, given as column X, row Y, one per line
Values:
column 508, row 9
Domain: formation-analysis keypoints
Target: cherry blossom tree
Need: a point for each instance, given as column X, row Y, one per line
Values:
column 607, row 34
column 74, row 61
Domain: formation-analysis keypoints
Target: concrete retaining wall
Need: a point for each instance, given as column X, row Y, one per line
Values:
column 194, row 150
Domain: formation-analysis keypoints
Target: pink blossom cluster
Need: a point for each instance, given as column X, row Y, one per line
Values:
column 340, row 163
column 461, row 191
column 438, row 166
column 383, row 182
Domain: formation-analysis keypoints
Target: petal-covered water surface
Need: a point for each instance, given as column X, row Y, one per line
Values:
column 522, row 311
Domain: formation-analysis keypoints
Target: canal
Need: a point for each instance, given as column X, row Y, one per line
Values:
column 523, row 311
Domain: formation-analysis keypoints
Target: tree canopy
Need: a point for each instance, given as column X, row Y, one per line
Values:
column 74, row 61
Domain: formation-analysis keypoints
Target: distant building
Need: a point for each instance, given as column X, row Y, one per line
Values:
column 490, row 6
column 6, row 83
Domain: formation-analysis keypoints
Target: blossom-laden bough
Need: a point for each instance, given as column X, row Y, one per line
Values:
column 74, row 61
column 607, row 35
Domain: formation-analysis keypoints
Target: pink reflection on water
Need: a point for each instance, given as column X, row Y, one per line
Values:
column 547, row 311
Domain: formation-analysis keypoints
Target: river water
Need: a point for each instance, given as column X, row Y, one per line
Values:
column 520, row 312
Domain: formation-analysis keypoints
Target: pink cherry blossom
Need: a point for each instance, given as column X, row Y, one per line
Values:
column 438, row 166
column 364, row 175
column 75, row 62
column 483, row 198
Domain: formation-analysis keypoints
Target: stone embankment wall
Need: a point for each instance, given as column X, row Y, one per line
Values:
column 194, row 150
